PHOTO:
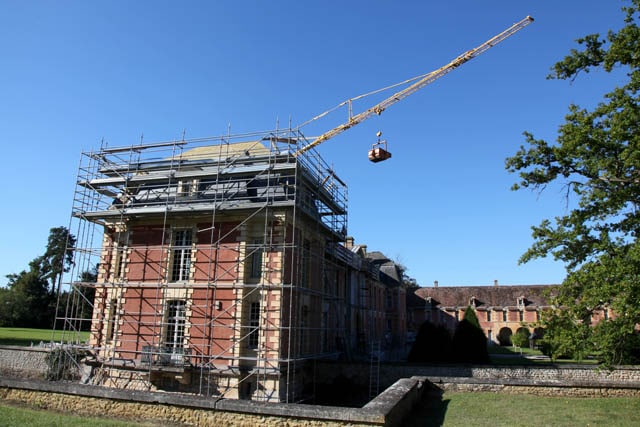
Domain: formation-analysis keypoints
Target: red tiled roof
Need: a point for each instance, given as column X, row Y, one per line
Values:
column 488, row 296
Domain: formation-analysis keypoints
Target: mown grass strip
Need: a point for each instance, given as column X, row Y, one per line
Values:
column 27, row 336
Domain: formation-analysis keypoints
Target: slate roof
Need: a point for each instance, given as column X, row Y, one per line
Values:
column 389, row 272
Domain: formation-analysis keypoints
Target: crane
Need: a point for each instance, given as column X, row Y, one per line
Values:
column 377, row 153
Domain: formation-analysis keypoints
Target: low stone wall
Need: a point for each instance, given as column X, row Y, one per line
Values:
column 513, row 387
column 568, row 380
column 23, row 362
column 388, row 409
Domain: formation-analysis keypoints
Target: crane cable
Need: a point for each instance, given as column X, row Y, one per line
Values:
column 422, row 81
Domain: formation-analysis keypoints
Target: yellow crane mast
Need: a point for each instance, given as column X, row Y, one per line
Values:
column 381, row 154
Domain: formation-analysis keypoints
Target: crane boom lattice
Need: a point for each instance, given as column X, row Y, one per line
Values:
column 424, row 81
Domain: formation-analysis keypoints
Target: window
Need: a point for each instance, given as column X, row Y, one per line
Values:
column 325, row 331
column 388, row 304
column 119, row 263
column 176, row 317
column 304, row 323
column 521, row 315
column 504, row 315
column 537, row 315
column 488, row 315
column 457, row 315
column 120, row 256
column 306, row 258
column 187, row 188
column 254, row 324
column 255, row 258
column 181, row 265
column 111, row 320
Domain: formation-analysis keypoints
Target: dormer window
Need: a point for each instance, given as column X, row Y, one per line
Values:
column 522, row 301
column 187, row 187
column 473, row 302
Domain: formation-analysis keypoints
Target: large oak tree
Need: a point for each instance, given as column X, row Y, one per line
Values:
column 597, row 158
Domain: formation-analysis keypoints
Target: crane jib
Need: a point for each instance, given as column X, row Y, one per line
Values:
column 422, row 82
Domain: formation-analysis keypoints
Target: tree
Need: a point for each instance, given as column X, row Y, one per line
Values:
column 58, row 257
column 29, row 300
column 521, row 337
column 469, row 342
column 432, row 345
column 597, row 159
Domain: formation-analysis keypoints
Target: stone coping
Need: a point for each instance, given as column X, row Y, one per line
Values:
column 388, row 408
column 25, row 348
column 528, row 382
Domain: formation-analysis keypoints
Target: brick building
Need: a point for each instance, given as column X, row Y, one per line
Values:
column 501, row 310
column 224, row 268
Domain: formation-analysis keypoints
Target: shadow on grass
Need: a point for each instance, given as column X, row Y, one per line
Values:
column 430, row 412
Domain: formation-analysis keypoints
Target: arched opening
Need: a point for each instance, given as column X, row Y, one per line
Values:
column 504, row 336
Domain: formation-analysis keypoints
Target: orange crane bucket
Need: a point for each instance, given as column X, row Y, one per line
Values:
column 378, row 152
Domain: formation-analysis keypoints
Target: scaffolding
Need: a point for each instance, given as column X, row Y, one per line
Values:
column 212, row 266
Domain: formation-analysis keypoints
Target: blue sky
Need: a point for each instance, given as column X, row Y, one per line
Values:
column 75, row 73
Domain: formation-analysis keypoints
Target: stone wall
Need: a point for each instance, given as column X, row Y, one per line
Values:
column 517, row 378
column 30, row 362
column 23, row 362
column 388, row 409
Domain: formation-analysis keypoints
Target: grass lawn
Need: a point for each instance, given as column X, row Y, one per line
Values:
column 452, row 409
column 18, row 415
column 26, row 336
column 500, row 355
column 493, row 409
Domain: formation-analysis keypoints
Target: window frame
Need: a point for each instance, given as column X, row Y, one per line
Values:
column 253, row 337
column 181, row 254
column 175, row 324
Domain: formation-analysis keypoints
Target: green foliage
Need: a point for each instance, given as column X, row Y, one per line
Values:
column 521, row 337
column 471, row 317
column 432, row 345
column 58, row 256
column 30, row 299
column 597, row 159
column 469, row 343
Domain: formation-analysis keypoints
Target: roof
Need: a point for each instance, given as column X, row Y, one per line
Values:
column 414, row 301
column 377, row 257
column 223, row 151
column 389, row 272
column 488, row 296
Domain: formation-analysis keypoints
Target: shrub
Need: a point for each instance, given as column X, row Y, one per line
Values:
column 432, row 345
column 521, row 337
column 469, row 343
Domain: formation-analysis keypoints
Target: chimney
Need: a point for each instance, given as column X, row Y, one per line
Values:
column 495, row 283
column 435, row 283
column 349, row 242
